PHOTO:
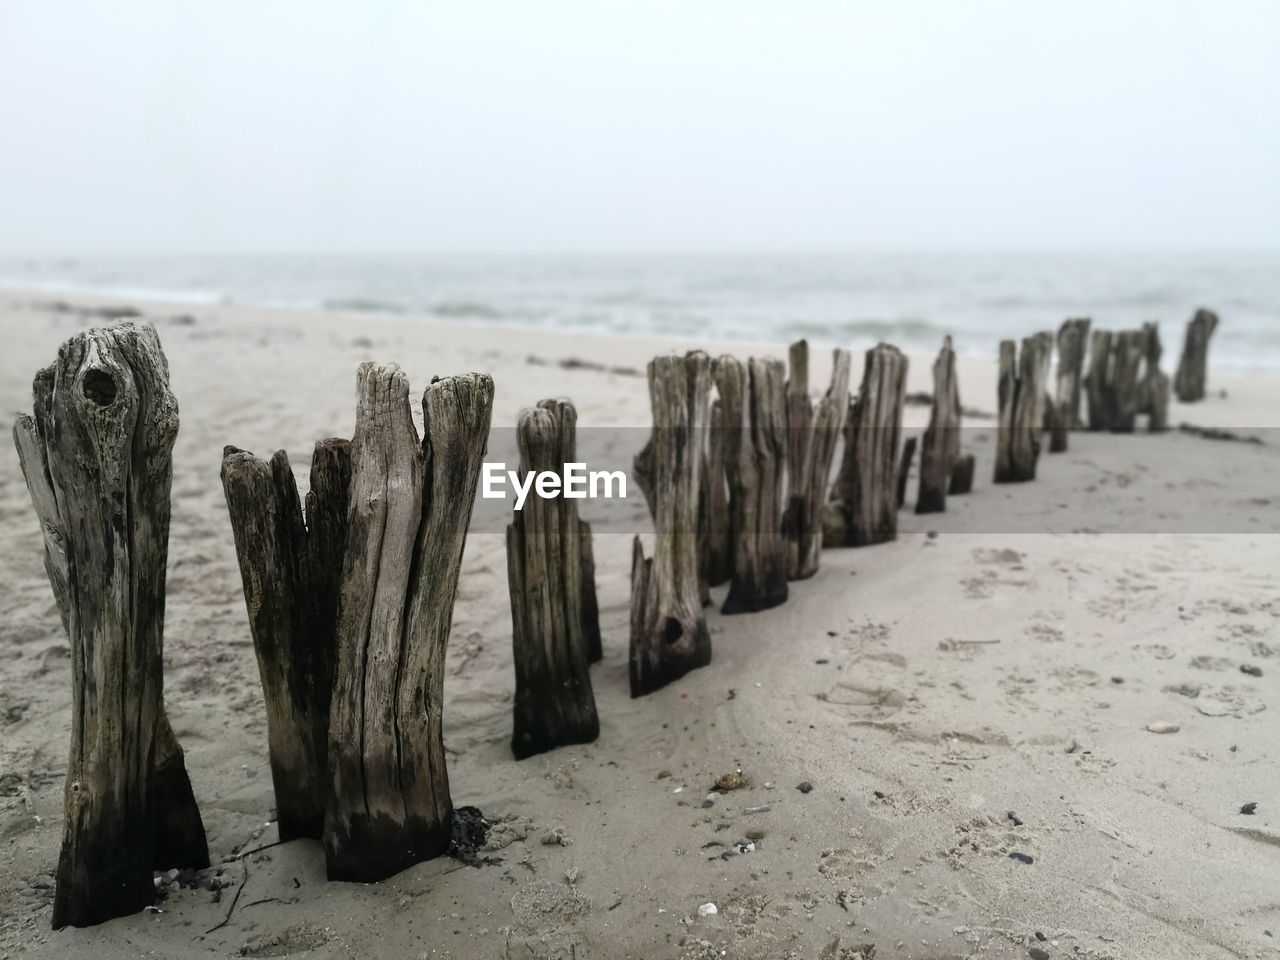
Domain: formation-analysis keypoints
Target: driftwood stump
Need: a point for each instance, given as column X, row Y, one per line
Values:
column 590, row 606
column 410, row 504
column 290, row 566
column 668, row 633
column 864, row 498
column 753, row 402
column 904, row 467
column 1021, row 414
column 1156, row 386
column 554, row 704
column 1044, row 403
column 962, row 475
column 812, row 436
column 941, row 442
column 1189, row 381
column 1056, row 425
column 1115, row 389
column 1098, row 380
column 96, row 456
column 1124, row 393
column 715, row 522
column 715, row 532
column 1073, row 341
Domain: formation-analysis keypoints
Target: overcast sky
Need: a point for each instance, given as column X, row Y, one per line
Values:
column 557, row 126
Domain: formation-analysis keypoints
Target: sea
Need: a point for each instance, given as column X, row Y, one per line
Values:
column 852, row 300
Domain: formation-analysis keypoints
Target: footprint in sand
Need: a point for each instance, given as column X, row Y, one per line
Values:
column 1218, row 701
column 866, row 701
column 1228, row 702
column 981, row 586
column 1045, row 633
column 876, row 694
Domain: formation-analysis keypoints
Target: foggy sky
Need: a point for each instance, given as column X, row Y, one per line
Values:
column 556, row 126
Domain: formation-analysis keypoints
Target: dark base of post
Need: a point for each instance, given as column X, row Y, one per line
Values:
column 748, row 598
column 962, row 475
column 101, row 877
column 370, row 849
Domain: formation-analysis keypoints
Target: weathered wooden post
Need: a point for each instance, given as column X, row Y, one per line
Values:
column 812, row 437
column 1056, row 427
column 1155, row 388
column 716, row 525
column 1073, row 339
column 904, row 467
column 864, row 498
column 941, row 442
column 96, row 457
column 546, row 577
column 753, row 402
column 1044, row 402
column 1021, row 393
column 799, row 413
column 290, row 566
column 1098, row 381
column 410, row 504
column 1124, row 393
column 962, row 475
column 668, row 633
column 1189, row 381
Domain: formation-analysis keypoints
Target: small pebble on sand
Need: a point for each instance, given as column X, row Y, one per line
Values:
column 1163, row 726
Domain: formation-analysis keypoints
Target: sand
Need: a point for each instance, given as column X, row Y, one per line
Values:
column 973, row 690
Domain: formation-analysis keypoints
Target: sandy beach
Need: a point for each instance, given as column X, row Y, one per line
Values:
column 973, row 690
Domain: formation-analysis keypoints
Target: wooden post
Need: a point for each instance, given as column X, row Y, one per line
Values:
column 1098, row 380
column 590, row 606
column 1124, row 390
column 1044, row 352
column 1156, row 386
column 290, row 566
column 1073, row 339
column 904, row 468
column 753, row 401
column 1189, row 381
column 715, row 533
column 554, row 704
column 864, row 499
column 812, row 437
column 1056, row 425
column 718, row 527
column 962, row 475
column 410, row 505
column 97, row 460
column 1021, row 393
column 941, row 444
column 642, row 468
column 799, row 413
column 668, row 633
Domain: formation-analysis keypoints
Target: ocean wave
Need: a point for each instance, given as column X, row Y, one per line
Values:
column 362, row 305
column 465, row 309
column 907, row 328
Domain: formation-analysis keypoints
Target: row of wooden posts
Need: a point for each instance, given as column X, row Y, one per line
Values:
column 350, row 589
